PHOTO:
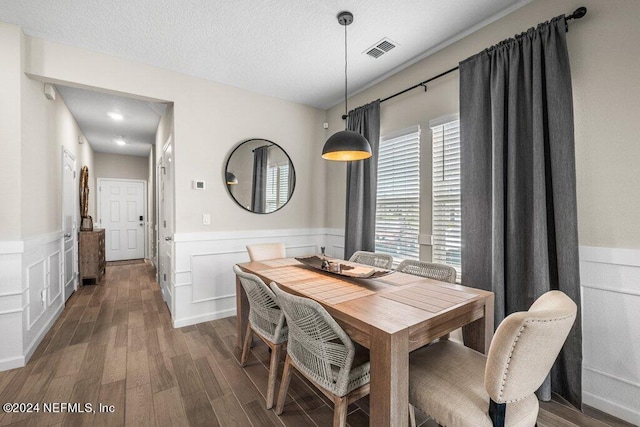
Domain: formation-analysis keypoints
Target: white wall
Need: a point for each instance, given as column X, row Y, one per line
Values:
column 117, row 166
column 209, row 119
column 31, row 263
column 204, row 287
column 10, row 48
column 68, row 135
column 605, row 59
column 11, row 247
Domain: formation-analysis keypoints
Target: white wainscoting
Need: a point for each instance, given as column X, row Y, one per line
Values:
column 30, row 295
column 611, row 330
column 11, row 304
column 203, row 285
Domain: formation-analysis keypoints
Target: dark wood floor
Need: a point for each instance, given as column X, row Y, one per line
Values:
column 114, row 345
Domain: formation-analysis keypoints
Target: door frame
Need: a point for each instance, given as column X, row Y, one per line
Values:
column 74, row 227
column 144, row 203
column 161, row 161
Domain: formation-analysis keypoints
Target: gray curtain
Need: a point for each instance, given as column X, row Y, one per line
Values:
column 518, row 187
column 259, row 193
column 362, row 181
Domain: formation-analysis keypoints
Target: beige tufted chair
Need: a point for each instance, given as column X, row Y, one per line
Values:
column 265, row 251
column 458, row 386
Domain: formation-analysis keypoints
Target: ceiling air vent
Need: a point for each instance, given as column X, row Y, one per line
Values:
column 380, row 48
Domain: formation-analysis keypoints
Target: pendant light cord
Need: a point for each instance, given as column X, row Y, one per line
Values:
column 345, row 76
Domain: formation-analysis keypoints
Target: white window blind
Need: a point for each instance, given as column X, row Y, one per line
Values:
column 277, row 190
column 446, row 192
column 271, row 193
column 398, row 199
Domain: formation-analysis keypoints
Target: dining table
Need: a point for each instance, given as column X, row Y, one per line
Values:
column 391, row 315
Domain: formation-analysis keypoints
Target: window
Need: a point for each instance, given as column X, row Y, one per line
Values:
column 277, row 191
column 398, row 199
column 446, row 191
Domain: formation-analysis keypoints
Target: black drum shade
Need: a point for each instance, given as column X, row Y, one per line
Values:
column 346, row 146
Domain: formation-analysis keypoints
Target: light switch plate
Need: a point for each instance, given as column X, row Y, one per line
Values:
column 206, row 219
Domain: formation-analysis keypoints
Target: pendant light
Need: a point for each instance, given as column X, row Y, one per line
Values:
column 231, row 178
column 346, row 145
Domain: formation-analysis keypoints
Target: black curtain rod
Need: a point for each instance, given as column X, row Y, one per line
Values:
column 262, row 146
column 577, row 14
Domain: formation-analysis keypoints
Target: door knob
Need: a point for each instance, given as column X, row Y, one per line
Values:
column 168, row 238
column 67, row 234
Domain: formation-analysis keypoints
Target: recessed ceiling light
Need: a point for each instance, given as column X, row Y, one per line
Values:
column 115, row 116
column 120, row 141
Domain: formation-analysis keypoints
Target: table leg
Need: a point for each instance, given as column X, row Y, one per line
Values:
column 478, row 335
column 242, row 313
column 389, row 400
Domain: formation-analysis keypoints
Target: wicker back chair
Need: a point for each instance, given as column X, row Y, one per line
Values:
column 373, row 259
column 265, row 320
column 430, row 270
column 265, row 251
column 321, row 351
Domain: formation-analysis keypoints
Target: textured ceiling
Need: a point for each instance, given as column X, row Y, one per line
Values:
column 137, row 127
column 289, row 49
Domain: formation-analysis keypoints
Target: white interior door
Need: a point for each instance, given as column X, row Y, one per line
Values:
column 70, row 207
column 165, row 221
column 122, row 215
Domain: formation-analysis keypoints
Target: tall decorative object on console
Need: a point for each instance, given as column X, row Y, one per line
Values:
column 91, row 255
column 86, row 222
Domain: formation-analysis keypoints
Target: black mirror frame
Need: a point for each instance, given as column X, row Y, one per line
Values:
column 226, row 166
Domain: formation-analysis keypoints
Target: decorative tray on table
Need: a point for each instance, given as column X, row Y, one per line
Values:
column 343, row 268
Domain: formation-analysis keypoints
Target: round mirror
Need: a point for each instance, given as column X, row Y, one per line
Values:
column 259, row 176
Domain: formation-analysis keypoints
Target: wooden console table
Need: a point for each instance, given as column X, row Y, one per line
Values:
column 91, row 255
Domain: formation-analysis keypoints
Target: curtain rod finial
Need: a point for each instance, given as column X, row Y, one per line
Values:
column 578, row 13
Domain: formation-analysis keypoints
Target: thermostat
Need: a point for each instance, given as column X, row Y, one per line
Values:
column 198, row 185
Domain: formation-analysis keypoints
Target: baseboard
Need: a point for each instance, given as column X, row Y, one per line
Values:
column 41, row 334
column 611, row 408
column 12, row 363
column 188, row 321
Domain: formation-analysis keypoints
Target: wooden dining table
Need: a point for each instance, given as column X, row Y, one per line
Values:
column 390, row 315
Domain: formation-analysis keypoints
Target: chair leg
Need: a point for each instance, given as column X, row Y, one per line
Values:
column 497, row 413
column 340, row 412
column 284, row 386
column 273, row 373
column 248, row 337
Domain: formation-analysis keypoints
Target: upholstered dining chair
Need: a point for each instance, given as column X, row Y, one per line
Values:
column 458, row 386
column 265, row 251
column 267, row 321
column 373, row 259
column 320, row 350
column 444, row 273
